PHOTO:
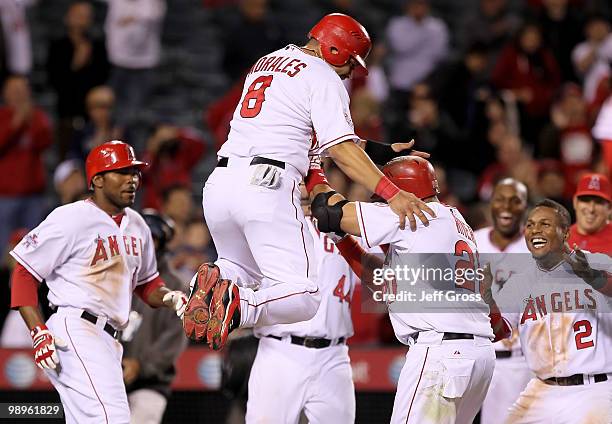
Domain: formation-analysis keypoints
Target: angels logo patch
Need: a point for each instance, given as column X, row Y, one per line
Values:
column 30, row 241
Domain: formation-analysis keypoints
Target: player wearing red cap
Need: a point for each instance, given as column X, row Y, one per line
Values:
column 293, row 107
column 92, row 254
column 593, row 229
column 444, row 321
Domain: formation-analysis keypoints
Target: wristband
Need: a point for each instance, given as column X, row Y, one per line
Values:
column 386, row 189
column 314, row 177
column 39, row 328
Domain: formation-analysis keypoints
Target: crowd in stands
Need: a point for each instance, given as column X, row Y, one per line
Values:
column 505, row 88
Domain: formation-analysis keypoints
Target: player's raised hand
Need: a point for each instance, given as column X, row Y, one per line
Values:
column 580, row 265
column 176, row 300
column 400, row 147
column 45, row 347
column 407, row 205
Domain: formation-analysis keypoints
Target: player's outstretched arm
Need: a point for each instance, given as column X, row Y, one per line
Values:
column 356, row 164
column 156, row 294
column 598, row 279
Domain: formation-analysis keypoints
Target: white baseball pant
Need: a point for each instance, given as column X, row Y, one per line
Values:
column 443, row 382
column 258, row 227
column 288, row 378
column 147, row 406
column 90, row 379
column 510, row 378
column 541, row 403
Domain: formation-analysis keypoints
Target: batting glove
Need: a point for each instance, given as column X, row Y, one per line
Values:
column 176, row 300
column 45, row 347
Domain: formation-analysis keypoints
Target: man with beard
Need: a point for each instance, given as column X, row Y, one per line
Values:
column 504, row 238
column 593, row 229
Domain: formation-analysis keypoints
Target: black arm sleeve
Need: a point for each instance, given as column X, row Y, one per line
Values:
column 381, row 153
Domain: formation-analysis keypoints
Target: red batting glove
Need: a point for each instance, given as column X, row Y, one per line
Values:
column 45, row 351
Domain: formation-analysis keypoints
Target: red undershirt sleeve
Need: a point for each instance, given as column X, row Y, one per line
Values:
column 144, row 290
column 24, row 287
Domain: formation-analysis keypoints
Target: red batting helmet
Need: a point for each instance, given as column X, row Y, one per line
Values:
column 341, row 37
column 413, row 174
column 110, row 156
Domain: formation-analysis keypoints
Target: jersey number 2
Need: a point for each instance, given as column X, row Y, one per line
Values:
column 462, row 247
column 583, row 330
column 255, row 96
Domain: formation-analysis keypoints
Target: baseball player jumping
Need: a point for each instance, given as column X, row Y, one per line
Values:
column 451, row 358
column 564, row 325
column 293, row 105
column 92, row 254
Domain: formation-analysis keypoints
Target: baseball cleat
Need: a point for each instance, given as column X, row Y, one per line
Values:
column 197, row 312
column 224, row 313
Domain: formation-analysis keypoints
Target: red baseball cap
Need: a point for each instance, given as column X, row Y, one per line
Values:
column 594, row 185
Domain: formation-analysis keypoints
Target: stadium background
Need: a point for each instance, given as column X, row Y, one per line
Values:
column 465, row 105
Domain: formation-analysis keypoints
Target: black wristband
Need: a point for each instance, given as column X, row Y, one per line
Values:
column 380, row 152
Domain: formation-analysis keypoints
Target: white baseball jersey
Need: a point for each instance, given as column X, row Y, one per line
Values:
column 336, row 282
column 502, row 268
column 447, row 234
column 564, row 325
column 602, row 130
column 287, row 99
column 88, row 261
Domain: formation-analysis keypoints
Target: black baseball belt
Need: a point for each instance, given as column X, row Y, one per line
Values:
column 574, row 380
column 257, row 160
column 450, row 336
column 312, row 342
column 504, row 354
column 94, row 320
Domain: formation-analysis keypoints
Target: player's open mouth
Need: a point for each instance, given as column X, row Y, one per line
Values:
column 538, row 242
column 505, row 218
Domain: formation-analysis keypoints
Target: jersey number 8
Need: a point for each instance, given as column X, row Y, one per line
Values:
column 255, row 96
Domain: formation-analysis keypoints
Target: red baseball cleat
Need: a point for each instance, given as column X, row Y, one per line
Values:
column 197, row 311
column 224, row 313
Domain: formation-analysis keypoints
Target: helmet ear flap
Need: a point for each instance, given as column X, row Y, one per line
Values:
column 334, row 55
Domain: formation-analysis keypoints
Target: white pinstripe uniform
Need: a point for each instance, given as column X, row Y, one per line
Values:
column 253, row 210
column 90, row 264
column 511, row 373
column 315, row 380
column 443, row 380
column 565, row 330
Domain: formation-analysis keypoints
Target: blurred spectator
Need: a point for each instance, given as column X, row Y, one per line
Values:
column 155, row 338
column 446, row 196
column 15, row 334
column 492, row 25
column 76, row 63
column 562, row 29
column 69, row 181
column 365, row 112
column 177, row 204
column 432, row 128
column 593, row 229
column 219, row 113
column 512, row 161
column 552, row 182
column 25, row 133
column 530, row 72
column 172, row 153
column 100, row 128
column 567, row 137
column 253, row 23
column 602, row 131
column 133, row 40
column 591, row 57
column 416, row 43
column 194, row 249
column 16, row 36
